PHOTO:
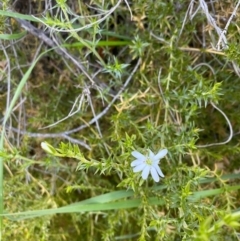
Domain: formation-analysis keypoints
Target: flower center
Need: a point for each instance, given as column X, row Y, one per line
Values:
column 149, row 161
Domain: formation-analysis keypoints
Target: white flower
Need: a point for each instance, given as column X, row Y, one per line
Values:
column 148, row 163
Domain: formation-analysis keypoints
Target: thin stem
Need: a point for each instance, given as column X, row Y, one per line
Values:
column 230, row 128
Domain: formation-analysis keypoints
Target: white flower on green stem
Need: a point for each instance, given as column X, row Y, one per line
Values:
column 148, row 164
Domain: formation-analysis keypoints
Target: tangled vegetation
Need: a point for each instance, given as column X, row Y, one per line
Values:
column 86, row 83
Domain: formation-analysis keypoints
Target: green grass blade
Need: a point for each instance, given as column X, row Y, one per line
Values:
column 6, row 117
column 112, row 201
column 13, row 36
column 99, row 44
column 19, row 15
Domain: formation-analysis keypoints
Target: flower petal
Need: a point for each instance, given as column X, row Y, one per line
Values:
column 154, row 174
column 151, row 154
column 145, row 172
column 136, row 163
column 138, row 155
column 159, row 171
column 160, row 155
column 139, row 168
